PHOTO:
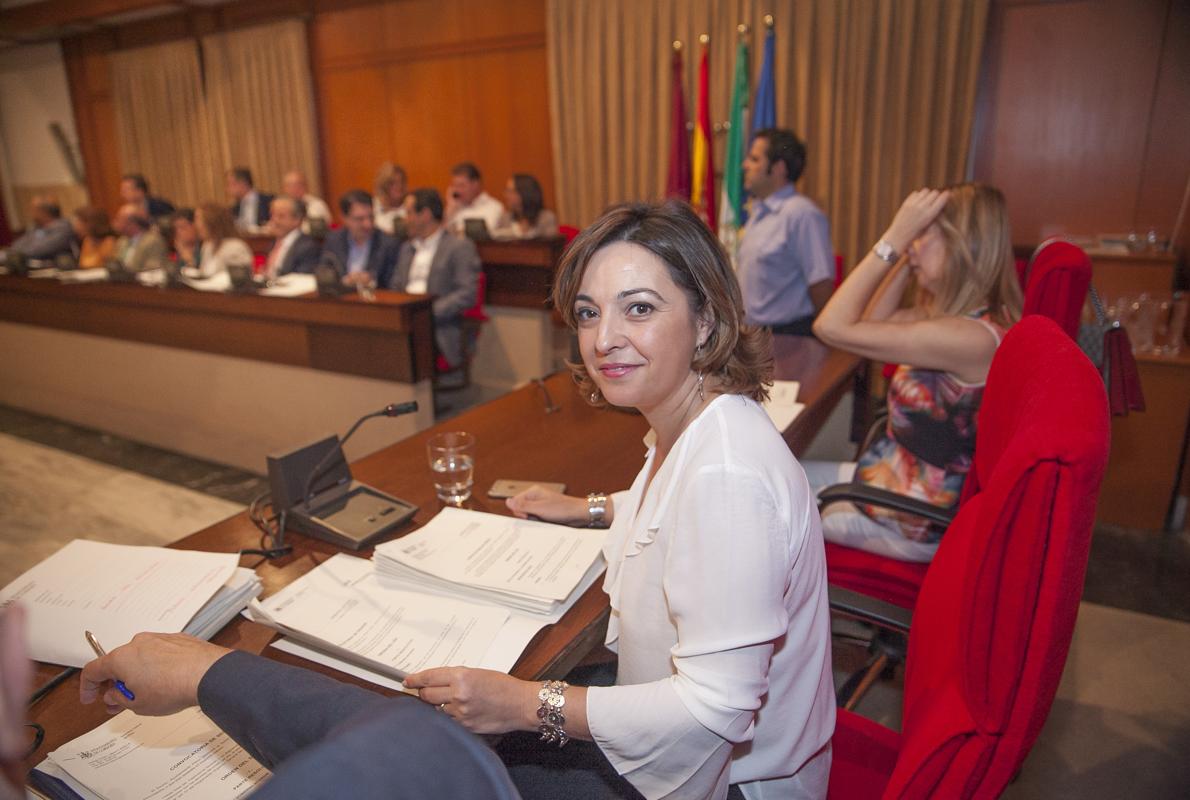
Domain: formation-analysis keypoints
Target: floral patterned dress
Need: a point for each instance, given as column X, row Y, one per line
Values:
column 925, row 450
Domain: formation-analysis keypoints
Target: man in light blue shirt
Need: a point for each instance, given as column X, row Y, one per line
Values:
column 786, row 261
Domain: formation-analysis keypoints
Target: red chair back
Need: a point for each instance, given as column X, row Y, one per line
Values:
column 568, row 232
column 1057, row 280
column 996, row 611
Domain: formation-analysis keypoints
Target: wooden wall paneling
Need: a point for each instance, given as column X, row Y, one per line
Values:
column 90, row 93
column 1067, row 126
column 1167, row 156
column 355, row 136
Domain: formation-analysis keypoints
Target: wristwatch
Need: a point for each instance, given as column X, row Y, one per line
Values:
column 597, row 510
column 885, row 252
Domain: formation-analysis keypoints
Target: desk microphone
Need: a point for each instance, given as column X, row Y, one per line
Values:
column 390, row 410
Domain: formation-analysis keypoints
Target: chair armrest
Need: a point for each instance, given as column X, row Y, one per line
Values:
column 869, row 609
column 875, row 496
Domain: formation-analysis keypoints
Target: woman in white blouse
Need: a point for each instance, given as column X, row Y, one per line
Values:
column 221, row 244
column 716, row 572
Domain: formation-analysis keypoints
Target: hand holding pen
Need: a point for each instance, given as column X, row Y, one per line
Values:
column 164, row 668
column 100, row 652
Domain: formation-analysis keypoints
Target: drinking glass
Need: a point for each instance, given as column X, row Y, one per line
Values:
column 1169, row 329
column 452, row 461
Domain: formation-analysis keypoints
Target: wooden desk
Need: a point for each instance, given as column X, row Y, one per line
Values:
column 206, row 373
column 521, row 273
column 588, row 449
column 1130, row 274
column 1149, row 448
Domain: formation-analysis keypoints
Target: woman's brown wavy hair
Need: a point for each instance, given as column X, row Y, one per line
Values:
column 738, row 358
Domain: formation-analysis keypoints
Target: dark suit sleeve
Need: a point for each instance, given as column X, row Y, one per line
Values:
column 463, row 266
column 344, row 741
column 263, row 207
column 302, row 257
column 386, row 264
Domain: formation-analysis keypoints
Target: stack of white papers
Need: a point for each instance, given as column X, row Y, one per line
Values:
column 83, row 276
column 219, row 282
column 344, row 609
column 782, row 405
column 116, row 591
column 181, row 755
column 520, row 564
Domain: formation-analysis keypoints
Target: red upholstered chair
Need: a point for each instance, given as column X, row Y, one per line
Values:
column 1056, row 283
column 996, row 612
column 473, row 319
column 568, row 232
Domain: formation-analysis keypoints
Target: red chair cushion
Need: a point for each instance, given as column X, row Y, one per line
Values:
column 1059, row 276
column 888, row 579
column 862, row 758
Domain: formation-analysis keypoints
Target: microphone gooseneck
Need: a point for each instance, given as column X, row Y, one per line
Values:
column 391, row 410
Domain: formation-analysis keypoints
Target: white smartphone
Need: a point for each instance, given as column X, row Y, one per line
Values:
column 508, row 488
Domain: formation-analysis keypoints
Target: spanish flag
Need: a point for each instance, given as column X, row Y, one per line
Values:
column 702, row 185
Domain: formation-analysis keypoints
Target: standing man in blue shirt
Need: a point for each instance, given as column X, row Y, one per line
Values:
column 786, row 261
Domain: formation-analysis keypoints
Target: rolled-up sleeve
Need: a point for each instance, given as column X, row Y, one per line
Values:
column 725, row 575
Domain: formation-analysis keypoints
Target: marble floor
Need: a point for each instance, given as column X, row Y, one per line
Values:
column 1120, row 726
column 49, row 497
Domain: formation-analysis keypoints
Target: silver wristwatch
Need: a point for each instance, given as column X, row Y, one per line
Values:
column 885, row 252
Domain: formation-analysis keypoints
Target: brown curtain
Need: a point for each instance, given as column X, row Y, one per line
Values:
column 262, row 101
column 162, row 123
column 882, row 91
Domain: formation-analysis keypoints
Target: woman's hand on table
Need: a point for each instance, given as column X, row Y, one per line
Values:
column 161, row 670
column 916, row 213
column 481, row 700
column 551, row 506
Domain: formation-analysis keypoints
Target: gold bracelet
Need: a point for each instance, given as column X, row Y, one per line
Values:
column 550, row 713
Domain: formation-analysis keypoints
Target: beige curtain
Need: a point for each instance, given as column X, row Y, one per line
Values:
column 882, row 91
column 262, row 101
column 162, row 124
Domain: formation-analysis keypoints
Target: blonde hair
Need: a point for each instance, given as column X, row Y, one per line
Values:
column 738, row 356
column 980, row 270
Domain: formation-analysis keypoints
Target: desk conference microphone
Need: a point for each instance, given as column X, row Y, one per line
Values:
column 391, row 410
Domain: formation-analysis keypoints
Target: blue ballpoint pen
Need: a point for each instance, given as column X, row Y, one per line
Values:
column 99, row 651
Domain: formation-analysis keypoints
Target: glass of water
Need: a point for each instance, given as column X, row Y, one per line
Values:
column 452, row 461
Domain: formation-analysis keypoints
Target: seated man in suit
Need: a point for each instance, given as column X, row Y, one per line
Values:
column 293, row 251
column 364, row 255
column 294, row 185
column 140, row 246
column 48, row 235
column 250, row 207
column 434, row 262
column 134, row 189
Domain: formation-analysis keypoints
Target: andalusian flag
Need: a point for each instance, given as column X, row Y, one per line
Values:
column 702, row 185
column 734, row 215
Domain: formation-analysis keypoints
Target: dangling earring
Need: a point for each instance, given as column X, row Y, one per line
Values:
column 701, row 393
column 594, row 397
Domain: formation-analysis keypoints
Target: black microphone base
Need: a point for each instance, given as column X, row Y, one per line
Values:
column 354, row 519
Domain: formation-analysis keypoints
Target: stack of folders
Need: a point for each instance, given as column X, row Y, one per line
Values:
column 180, row 755
column 483, row 586
column 519, row 564
column 117, row 591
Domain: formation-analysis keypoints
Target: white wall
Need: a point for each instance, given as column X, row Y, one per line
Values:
column 33, row 94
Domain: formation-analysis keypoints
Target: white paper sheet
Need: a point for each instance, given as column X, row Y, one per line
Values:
column 219, row 282
column 183, row 755
column 538, row 560
column 782, row 406
column 294, row 284
column 343, row 608
column 114, row 591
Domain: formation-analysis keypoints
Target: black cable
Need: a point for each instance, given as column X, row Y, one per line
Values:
column 38, row 737
column 49, row 685
column 272, row 539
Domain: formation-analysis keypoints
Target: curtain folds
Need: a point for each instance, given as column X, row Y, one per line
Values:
column 185, row 118
column 882, row 92
column 162, row 125
column 261, row 99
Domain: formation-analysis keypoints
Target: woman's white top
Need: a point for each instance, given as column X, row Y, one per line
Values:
column 215, row 259
column 719, row 613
